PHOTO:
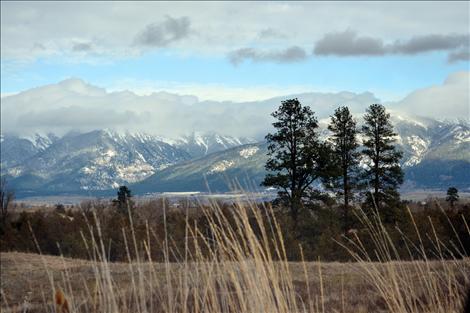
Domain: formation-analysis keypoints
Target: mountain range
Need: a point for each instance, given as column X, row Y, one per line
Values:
column 83, row 139
column 436, row 155
column 97, row 160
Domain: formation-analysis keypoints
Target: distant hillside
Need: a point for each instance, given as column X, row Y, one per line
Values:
column 202, row 144
column 217, row 172
column 435, row 155
column 97, row 161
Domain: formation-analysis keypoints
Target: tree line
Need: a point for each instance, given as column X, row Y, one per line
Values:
column 360, row 166
column 66, row 229
column 367, row 173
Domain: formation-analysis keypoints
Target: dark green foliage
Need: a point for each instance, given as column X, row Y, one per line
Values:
column 383, row 174
column 123, row 202
column 295, row 155
column 452, row 196
column 344, row 180
column 60, row 208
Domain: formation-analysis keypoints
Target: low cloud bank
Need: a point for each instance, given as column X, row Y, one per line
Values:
column 75, row 105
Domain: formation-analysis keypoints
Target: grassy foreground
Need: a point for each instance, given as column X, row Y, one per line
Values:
column 238, row 267
column 25, row 282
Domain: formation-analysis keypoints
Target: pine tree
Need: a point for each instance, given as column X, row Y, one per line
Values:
column 452, row 196
column 383, row 172
column 123, row 201
column 295, row 155
column 346, row 157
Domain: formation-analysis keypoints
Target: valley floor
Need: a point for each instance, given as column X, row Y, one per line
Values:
column 25, row 282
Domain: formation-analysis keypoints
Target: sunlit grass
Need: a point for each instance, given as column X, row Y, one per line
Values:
column 241, row 266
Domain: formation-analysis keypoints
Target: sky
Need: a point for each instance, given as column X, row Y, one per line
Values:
column 414, row 56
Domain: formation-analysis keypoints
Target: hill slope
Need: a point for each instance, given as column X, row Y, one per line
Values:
column 217, row 172
column 435, row 155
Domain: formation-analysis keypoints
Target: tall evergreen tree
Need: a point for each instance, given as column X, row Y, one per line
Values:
column 346, row 156
column 295, row 155
column 383, row 172
column 452, row 196
column 123, row 201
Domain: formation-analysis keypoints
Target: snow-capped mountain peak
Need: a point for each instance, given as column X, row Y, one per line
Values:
column 104, row 159
column 200, row 144
column 100, row 159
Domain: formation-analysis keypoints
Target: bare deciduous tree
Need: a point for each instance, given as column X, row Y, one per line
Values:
column 6, row 199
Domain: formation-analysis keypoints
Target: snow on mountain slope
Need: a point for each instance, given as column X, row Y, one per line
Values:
column 422, row 138
column 418, row 147
column 101, row 159
column 96, row 160
column 435, row 155
column 42, row 141
column 248, row 152
column 200, row 144
column 105, row 159
column 218, row 171
column 221, row 166
column 16, row 150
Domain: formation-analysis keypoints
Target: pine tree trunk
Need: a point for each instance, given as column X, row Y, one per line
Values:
column 376, row 169
column 294, row 196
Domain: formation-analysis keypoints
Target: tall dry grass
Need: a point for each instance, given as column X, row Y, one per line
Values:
column 241, row 266
column 425, row 284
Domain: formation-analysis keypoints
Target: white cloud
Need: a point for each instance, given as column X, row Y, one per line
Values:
column 7, row 94
column 34, row 29
column 75, row 105
column 208, row 92
column 451, row 100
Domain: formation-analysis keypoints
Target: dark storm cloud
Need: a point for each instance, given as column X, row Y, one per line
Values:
column 427, row 43
column 164, row 33
column 289, row 55
column 349, row 43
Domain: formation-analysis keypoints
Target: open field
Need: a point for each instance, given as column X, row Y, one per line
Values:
column 236, row 261
column 345, row 286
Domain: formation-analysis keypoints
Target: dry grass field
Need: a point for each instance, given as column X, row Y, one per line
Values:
column 344, row 287
column 236, row 269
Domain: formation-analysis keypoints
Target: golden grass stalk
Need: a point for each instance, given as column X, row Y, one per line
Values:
column 240, row 266
column 420, row 285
